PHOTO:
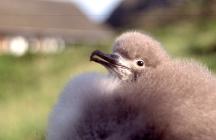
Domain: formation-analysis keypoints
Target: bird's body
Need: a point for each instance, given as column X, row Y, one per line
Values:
column 165, row 99
column 76, row 95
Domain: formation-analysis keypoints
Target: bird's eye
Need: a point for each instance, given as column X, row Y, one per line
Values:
column 140, row 63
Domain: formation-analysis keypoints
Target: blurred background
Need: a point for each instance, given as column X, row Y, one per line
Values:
column 43, row 43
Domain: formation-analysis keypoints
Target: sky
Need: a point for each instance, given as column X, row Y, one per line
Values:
column 97, row 10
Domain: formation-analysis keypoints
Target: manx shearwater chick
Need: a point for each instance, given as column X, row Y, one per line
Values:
column 147, row 96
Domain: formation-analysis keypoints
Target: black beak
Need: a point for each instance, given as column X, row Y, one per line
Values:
column 107, row 60
column 110, row 61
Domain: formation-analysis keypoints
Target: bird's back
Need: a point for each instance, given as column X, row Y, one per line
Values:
column 181, row 96
column 175, row 101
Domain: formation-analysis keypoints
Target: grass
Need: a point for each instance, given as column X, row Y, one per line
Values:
column 31, row 84
column 185, row 39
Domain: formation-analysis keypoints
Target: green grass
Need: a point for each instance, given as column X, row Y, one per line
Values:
column 30, row 85
column 185, row 39
column 187, row 35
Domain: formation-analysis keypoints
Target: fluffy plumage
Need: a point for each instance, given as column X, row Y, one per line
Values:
column 134, row 45
column 168, row 100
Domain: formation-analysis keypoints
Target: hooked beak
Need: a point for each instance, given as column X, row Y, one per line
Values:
column 113, row 63
column 108, row 60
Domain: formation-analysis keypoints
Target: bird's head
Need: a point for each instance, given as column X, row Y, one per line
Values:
column 133, row 53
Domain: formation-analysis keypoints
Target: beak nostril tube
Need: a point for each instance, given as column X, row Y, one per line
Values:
column 115, row 56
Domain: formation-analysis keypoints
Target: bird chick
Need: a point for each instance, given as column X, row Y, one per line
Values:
column 147, row 96
column 132, row 53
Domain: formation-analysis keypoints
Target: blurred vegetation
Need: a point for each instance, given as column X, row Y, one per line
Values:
column 190, row 39
column 31, row 84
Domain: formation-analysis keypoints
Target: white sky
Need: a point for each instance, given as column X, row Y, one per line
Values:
column 97, row 10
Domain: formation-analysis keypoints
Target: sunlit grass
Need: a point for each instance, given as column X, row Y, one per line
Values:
column 187, row 38
column 30, row 87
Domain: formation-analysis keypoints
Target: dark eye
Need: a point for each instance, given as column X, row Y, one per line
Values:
column 140, row 62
